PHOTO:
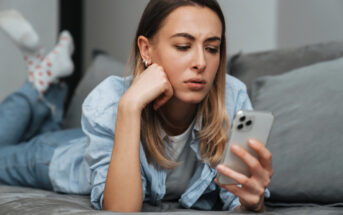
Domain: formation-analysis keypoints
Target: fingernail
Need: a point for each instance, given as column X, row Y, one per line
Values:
column 220, row 167
column 253, row 142
column 235, row 147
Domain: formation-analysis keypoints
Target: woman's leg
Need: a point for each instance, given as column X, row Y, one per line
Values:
column 30, row 114
column 38, row 106
column 25, row 114
column 27, row 164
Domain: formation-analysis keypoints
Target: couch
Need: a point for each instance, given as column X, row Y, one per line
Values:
column 301, row 86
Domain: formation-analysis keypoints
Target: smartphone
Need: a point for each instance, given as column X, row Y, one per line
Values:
column 245, row 125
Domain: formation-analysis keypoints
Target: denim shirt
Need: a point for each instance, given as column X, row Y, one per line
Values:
column 99, row 112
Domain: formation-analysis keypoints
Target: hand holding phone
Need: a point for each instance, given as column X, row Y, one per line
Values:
column 245, row 125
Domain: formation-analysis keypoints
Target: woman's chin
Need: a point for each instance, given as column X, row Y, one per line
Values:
column 192, row 98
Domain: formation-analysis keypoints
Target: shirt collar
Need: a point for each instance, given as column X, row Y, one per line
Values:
column 197, row 127
column 194, row 141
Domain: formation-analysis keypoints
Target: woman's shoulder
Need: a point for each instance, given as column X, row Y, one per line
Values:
column 106, row 94
column 233, row 84
column 234, row 88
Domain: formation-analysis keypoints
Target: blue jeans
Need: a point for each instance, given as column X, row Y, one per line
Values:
column 29, row 134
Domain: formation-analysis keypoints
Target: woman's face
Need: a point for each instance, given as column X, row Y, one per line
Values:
column 188, row 48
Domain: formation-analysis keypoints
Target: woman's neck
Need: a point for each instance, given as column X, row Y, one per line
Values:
column 176, row 116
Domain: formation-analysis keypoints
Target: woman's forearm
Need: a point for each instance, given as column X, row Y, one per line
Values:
column 123, row 189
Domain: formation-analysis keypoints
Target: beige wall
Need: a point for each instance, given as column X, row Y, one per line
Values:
column 309, row 21
column 110, row 25
column 43, row 16
column 251, row 25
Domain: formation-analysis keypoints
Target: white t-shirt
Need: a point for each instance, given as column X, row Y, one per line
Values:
column 178, row 178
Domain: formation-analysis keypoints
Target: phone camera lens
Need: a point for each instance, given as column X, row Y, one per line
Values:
column 240, row 126
column 242, row 119
column 248, row 123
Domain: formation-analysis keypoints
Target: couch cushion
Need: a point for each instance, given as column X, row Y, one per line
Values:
column 27, row 201
column 307, row 136
column 101, row 67
column 251, row 66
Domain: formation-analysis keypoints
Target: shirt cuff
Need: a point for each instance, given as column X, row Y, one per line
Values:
column 234, row 204
column 101, row 201
column 266, row 193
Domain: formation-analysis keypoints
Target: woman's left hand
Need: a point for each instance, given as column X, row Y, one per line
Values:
column 251, row 192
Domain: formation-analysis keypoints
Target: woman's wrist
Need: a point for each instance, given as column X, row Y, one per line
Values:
column 130, row 105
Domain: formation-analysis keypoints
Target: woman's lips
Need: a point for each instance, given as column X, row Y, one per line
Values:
column 195, row 84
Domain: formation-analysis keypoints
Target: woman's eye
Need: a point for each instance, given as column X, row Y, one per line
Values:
column 182, row 48
column 212, row 50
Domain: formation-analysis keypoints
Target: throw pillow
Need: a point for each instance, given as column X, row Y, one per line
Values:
column 101, row 67
column 249, row 67
column 306, row 140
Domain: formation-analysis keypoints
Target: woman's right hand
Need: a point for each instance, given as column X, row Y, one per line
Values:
column 150, row 85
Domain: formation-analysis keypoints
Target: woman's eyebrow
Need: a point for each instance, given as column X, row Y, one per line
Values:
column 186, row 35
column 212, row 39
column 190, row 37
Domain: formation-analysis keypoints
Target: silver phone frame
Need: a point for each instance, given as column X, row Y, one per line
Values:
column 260, row 130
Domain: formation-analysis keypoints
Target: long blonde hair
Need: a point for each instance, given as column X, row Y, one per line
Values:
column 215, row 121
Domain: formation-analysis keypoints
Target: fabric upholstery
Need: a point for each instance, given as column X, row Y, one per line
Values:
column 101, row 67
column 248, row 67
column 306, row 139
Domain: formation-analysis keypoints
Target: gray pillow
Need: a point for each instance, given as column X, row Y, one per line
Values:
column 249, row 67
column 101, row 67
column 306, row 140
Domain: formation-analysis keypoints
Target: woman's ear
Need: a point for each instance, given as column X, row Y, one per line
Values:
column 144, row 48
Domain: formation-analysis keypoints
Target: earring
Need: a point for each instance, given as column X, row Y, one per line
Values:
column 145, row 63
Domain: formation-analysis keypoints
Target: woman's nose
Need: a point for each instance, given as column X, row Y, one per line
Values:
column 199, row 63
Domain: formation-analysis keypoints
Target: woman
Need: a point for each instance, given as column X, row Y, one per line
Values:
column 176, row 103
column 160, row 136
